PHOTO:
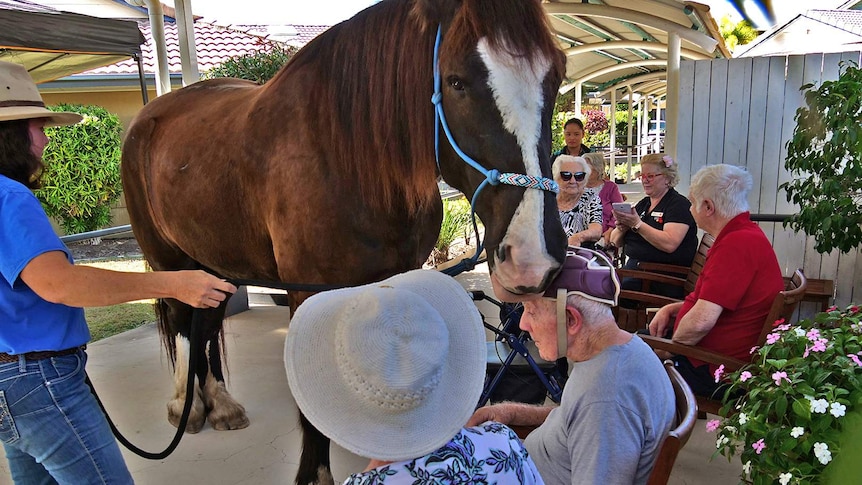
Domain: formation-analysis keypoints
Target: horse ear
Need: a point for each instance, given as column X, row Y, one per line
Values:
column 434, row 12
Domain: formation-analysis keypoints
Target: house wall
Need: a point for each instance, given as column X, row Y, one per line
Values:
column 741, row 111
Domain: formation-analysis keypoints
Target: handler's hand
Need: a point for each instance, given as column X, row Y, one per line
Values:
column 201, row 289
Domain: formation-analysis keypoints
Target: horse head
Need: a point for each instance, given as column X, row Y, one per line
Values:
column 499, row 70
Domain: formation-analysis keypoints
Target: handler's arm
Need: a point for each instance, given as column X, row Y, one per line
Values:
column 53, row 278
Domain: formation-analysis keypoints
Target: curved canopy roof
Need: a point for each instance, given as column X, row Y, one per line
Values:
column 53, row 44
column 618, row 43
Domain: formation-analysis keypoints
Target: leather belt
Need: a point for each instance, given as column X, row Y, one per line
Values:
column 45, row 354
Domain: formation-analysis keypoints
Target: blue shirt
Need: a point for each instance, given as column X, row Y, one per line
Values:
column 27, row 321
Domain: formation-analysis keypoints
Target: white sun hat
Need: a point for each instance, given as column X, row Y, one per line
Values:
column 20, row 99
column 390, row 370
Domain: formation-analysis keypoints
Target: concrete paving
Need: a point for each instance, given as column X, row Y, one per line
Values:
column 132, row 376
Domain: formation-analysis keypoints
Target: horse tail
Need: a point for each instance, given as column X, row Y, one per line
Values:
column 315, row 454
column 166, row 333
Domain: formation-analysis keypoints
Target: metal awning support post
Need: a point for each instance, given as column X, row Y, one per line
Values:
column 672, row 97
column 186, row 38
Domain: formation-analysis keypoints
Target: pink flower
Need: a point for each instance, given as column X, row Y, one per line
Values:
column 778, row 322
column 753, row 349
column 744, row 376
column 832, row 308
column 855, row 359
column 712, row 425
column 667, row 161
column 819, row 345
column 719, row 372
column 778, row 376
column 772, row 338
column 758, row 446
column 813, row 334
column 854, row 309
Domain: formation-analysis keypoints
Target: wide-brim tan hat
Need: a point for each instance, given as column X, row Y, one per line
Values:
column 390, row 370
column 20, row 99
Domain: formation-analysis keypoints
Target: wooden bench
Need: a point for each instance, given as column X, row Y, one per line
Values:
column 818, row 291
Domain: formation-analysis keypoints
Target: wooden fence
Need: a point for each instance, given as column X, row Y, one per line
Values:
column 741, row 111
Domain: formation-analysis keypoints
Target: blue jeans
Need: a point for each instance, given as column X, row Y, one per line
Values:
column 51, row 425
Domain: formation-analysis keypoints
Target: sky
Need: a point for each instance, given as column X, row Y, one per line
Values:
column 329, row 12
column 301, row 12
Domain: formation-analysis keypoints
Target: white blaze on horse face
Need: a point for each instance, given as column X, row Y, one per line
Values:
column 517, row 89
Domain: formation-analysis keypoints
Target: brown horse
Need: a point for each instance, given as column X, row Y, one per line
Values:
column 326, row 174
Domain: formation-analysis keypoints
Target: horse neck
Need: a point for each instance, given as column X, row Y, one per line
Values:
column 368, row 82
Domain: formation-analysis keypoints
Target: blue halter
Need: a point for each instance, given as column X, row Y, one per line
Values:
column 493, row 176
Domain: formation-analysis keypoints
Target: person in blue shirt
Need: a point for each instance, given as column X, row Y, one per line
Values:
column 50, row 424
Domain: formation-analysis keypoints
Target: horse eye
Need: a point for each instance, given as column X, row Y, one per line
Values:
column 456, row 83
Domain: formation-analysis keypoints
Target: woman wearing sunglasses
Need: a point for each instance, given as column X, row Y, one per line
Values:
column 660, row 228
column 580, row 211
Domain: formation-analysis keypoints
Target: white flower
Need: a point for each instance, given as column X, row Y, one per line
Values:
column 797, row 431
column 721, row 441
column 821, row 451
column 784, row 478
column 837, row 409
column 743, row 418
column 819, row 405
column 747, row 467
column 799, row 332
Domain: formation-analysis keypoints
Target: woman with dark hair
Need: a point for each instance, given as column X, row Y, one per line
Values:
column 51, row 426
column 573, row 132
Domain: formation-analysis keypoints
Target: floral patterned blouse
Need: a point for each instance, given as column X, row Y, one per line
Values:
column 483, row 455
column 579, row 217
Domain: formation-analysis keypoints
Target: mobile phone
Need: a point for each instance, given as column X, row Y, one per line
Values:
column 622, row 207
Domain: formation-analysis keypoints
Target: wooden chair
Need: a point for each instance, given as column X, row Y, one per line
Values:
column 686, row 416
column 783, row 306
column 633, row 319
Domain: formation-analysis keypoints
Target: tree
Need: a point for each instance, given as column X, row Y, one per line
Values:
column 82, row 169
column 826, row 155
column 259, row 66
column 735, row 34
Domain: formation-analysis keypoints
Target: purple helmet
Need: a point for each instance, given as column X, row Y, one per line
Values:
column 589, row 274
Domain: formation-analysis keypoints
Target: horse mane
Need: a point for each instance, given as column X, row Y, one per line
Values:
column 373, row 99
column 374, row 83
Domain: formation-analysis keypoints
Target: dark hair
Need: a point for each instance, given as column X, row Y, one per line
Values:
column 574, row 121
column 17, row 161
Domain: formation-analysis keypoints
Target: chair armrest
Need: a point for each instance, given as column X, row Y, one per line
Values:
column 649, row 276
column 682, row 271
column 647, row 298
column 657, row 343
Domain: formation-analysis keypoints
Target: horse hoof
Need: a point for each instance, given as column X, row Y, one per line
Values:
column 196, row 415
column 227, row 424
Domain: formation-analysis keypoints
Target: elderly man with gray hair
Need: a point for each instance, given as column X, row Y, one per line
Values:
column 618, row 403
column 739, row 280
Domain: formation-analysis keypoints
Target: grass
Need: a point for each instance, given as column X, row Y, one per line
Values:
column 111, row 320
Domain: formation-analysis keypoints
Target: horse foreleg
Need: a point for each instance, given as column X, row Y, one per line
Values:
column 314, row 460
column 197, row 415
column 225, row 413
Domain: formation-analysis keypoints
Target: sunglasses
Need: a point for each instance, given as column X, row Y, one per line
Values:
column 650, row 177
column 579, row 176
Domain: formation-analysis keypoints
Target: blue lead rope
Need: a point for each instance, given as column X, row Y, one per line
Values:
column 492, row 177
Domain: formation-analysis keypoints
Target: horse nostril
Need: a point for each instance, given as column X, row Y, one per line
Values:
column 502, row 252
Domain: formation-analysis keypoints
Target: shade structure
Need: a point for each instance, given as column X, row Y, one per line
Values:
column 52, row 44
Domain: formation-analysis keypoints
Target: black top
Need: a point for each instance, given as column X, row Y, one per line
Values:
column 565, row 151
column 673, row 207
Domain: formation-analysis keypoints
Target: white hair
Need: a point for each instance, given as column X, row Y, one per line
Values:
column 568, row 158
column 727, row 186
column 593, row 311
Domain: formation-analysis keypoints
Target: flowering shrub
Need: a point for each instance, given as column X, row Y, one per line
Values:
column 797, row 391
column 596, row 121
